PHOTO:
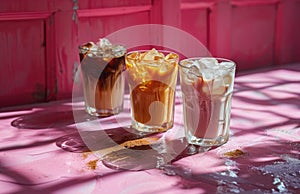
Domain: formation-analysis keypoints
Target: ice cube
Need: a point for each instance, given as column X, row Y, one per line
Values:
column 208, row 62
column 172, row 57
column 226, row 65
column 208, row 74
column 104, row 43
column 94, row 52
column 133, row 56
column 224, row 72
column 94, row 48
column 153, row 54
column 118, row 50
column 219, row 73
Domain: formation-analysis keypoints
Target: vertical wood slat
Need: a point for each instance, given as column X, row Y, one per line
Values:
column 220, row 29
column 253, row 35
column 51, row 81
column 287, row 42
column 195, row 19
column 65, row 53
column 62, row 38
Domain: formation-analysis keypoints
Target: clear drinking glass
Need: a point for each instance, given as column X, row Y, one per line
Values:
column 102, row 67
column 207, row 86
column 152, row 77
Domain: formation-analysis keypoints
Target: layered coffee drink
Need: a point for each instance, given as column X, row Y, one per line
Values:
column 102, row 66
column 207, row 86
column 152, row 77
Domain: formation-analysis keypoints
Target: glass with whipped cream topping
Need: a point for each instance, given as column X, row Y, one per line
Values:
column 207, row 87
column 102, row 66
column 152, row 77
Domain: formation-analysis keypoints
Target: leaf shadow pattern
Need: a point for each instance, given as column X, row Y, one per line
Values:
column 258, row 171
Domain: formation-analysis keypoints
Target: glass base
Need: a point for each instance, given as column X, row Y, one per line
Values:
column 102, row 112
column 204, row 142
column 152, row 128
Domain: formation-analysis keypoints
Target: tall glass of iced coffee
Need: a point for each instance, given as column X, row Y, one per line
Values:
column 102, row 66
column 152, row 77
column 207, row 86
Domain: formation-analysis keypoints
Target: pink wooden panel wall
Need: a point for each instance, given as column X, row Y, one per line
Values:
column 39, row 39
column 93, row 27
column 253, row 35
column 195, row 20
column 23, row 70
column 287, row 43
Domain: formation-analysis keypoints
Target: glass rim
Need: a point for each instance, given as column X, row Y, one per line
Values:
column 145, row 50
column 217, row 58
column 165, row 52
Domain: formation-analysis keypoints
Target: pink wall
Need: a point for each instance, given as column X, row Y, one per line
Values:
column 39, row 39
